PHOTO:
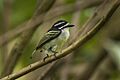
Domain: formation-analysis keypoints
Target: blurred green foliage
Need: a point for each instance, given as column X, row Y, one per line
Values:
column 22, row 10
column 1, row 5
column 70, row 1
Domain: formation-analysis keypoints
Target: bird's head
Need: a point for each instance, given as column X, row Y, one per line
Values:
column 62, row 24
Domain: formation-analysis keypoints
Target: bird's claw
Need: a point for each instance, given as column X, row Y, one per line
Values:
column 49, row 56
column 45, row 58
column 55, row 54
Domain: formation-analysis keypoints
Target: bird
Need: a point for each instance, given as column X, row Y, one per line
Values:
column 54, row 39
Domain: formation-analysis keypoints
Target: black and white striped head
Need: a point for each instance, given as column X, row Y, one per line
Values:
column 61, row 24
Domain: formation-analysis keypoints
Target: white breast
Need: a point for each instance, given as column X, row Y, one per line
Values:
column 65, row 34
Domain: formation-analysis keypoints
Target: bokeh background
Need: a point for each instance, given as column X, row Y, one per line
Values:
column 98, row 59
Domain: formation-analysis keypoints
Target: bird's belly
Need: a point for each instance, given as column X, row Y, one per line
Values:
column 57, row 43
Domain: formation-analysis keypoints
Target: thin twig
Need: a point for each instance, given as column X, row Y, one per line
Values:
column 75, row 45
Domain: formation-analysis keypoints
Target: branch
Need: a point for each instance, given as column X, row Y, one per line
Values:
column 82, row 40
column 62, row 10
column 19, row 46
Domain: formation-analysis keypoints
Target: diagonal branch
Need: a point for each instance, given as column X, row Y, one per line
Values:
column 82, row 40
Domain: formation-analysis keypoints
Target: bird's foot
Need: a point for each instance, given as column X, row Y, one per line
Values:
column 45, row 58
column 31, row 57
column 55, row 54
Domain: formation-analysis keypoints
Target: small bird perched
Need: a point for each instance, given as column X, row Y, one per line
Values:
column 55, row 38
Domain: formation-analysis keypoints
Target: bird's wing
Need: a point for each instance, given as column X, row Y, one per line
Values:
column 50, row 35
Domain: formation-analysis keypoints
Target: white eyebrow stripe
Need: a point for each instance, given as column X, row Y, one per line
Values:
column 59, row 23
column 53, row 31
column 64, row 26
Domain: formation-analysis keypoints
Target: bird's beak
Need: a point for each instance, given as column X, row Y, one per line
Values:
column 70, row 25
